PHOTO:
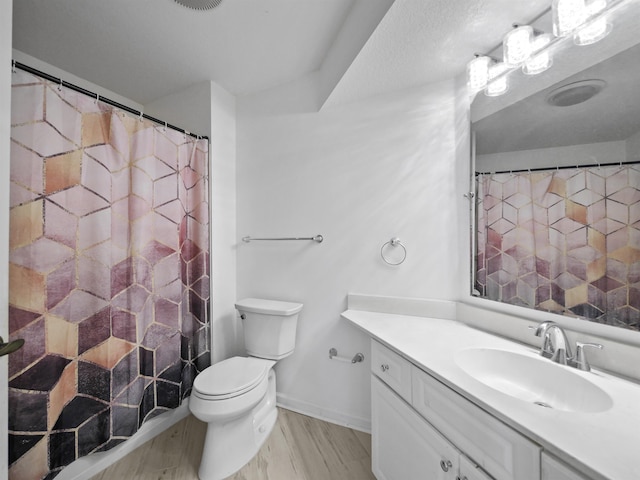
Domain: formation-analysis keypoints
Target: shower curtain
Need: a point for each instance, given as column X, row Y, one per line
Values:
column 562, row 240
column 109, row 274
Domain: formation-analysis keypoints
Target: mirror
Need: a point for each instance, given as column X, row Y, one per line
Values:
column 557, row 174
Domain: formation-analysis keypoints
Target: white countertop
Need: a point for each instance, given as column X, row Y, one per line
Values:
column 603, row 445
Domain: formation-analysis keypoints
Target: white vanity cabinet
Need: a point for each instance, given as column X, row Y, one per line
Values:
column 392, row 369
column 421, row 429
column 406, row 447
column 497, row 448
column 553, row 469
column 469, row 470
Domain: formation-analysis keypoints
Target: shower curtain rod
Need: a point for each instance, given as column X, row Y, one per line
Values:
column 543, row 169
column 106, row 100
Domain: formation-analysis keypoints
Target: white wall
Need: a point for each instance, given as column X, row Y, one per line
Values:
column 45, row 67
column 633, row 148
column 359, row 175
column 227, row 340
column 5, row 133
column 363, row 18
column 208, row 109
column 189, row 109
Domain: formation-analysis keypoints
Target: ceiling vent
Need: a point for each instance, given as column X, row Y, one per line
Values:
column 200, row 4
column 575, row 93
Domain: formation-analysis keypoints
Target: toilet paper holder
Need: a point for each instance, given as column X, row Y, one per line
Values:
column 333, row 355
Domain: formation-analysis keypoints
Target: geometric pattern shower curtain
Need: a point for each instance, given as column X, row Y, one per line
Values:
column 109, row 274
column 565, row 241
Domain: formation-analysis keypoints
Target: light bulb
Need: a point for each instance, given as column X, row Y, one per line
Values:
column 567, row 16
column 478, row 72
column 517, row 45
column 497, row 81
column 596, row 30
column 540, row 59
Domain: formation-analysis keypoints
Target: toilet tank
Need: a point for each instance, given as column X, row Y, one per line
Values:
column 269, row 327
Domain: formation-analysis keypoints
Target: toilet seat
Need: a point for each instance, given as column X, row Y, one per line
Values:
column 231, row 378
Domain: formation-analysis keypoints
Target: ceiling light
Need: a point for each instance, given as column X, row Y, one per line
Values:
column 516, row 45
column 478, row 72
column 540, row 59
column 567, row 16
column 200, row 4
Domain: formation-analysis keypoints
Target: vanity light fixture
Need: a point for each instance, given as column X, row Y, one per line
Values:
column 597, row 29
column 478, row 72
column 498, row 83
column 524, row 46
column 517, row 44
column 540, row 59
column 567, row 16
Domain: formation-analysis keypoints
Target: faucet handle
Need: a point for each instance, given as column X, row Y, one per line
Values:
column 581, row 358
column 546, row 349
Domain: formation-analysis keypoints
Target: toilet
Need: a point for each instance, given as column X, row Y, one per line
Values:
column 237, row 397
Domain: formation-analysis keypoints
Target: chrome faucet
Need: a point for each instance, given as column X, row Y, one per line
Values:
column 555, row 346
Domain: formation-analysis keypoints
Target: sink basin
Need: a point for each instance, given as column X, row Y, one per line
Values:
column 534, row 380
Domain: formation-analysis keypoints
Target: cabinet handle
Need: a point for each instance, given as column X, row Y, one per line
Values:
column 445, row 465
column 384, row 367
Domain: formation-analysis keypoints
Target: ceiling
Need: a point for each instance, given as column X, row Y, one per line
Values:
column 146, row 49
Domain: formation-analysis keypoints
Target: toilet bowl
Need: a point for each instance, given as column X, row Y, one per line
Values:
column 239, row 420
column 237, row 396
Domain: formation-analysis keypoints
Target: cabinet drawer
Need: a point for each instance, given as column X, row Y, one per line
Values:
column 392, row 369
column 495, row 447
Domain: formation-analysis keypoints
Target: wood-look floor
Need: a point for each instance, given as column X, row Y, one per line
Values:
column 299, row 448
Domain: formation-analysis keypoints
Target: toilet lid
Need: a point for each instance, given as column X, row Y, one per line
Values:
column 231, row 377
column 268, row 307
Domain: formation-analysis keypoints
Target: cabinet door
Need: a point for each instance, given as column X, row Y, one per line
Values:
column 553, row 469
column 470, row 471
column 497, row 448
column 404, row 446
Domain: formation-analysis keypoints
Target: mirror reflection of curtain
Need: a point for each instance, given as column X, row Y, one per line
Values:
column 109, row 274
column 562, row 240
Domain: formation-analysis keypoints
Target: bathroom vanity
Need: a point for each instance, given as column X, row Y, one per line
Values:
column 453, row 402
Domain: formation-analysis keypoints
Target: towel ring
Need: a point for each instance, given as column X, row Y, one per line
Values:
column 394, row 242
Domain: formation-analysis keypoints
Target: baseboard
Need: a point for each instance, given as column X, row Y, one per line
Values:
column 321, row 413
column 91, row 465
